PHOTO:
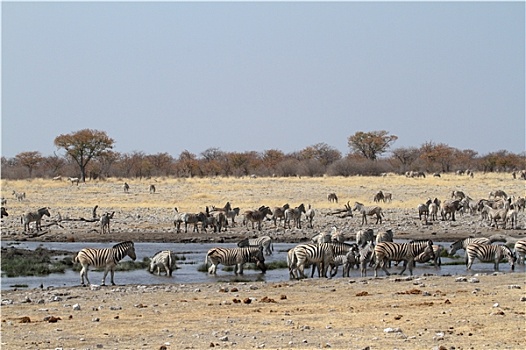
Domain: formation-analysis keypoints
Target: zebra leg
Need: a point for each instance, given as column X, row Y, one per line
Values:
column 84, row 272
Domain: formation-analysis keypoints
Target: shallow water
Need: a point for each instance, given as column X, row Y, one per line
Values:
column 194, row 254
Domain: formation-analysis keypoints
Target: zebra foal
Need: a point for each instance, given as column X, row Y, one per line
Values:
column 235, row 256
column 104, row 257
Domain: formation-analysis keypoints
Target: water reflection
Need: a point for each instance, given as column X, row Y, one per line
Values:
column 194, row 254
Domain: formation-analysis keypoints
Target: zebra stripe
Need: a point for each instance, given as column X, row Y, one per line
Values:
column 368, row 211
column 294, row 214
column 406, row 252
column 520, row 251
column 263, row 241
column 36, row 217
column 104, row 257
column 165, row 259
column 463, row 243
column 322, row 254
column 489, row 252
column 235, row 256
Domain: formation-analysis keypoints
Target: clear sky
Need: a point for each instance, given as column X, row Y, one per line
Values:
column 252, row 76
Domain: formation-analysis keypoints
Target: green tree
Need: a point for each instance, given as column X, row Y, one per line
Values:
column 83, row 146
column 371, row 144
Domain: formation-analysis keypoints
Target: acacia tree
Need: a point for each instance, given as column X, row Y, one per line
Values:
column 84, row 145
column 371, row 144
column 30, row 160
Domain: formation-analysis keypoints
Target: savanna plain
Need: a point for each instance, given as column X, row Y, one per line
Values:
column 469, row 311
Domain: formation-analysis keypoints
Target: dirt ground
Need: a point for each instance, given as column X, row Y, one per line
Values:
column 398, row 312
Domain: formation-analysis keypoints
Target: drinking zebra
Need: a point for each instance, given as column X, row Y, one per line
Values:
column 104, row 257
column 368, row 211
column 489, row 252
column 520, row 250
column 34, row 216
column 163, row 259
column 406, row 252
column 322, row 254
column 263, row 241
column 235, row 256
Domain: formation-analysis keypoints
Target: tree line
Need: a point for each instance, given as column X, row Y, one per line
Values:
column 89, row 154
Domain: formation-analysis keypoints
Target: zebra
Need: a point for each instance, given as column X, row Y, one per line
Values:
column 294, row 215
column 337, row 236
column 450, row 207
column 362, row 237
column 494, row 215
column 74, row 180
column 231, row 214
column 425, row 256
column 423, row 210
column 511, row 216
column 348, row 261
column 279, row 213
column 194, row 219
column 314, row 253
column 292, row 263
column 235, row 256
column 386, row 236
column 458, row 194
column 379, row 196
column 4, row 212
column 264, row 241
column 498, row 194
column 105, row 222
column 388, row 197
column 309, row 215
column 365, row 256
column 368, row 211
column 257, row 216
column 152, row 189
column 489, row 252
column 36, row 217
column 104, row 257
column 406, row 252
column 165, row 259
column 178, row 219
column 463, row 243
column 126, row 187
column 19, row 196
column 332, row 197
column 321, row 238
column 520, row 250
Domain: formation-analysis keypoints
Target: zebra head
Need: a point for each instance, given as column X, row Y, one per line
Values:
column 510, row 255
column 44, row 211
column 259, row 259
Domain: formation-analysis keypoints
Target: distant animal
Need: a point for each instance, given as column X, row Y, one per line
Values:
column 256, row 216
column 19, row 196
column 279, row 213
column 231, row 214
column 309, row 216
column 364, row 236
column 105, row 222
column 235, row 256
column 104, row 257
column 368, row 211
column 458, row 195
column 494, row 215
column 152, row 189
column 332, row 197
column 388, row 197
column 4, row 212
column 164, row 259
column 423, row 210
column 74, row 180
column 511, row 216
column 36, row 217
column 126, row 187
column 450, row 207
column 498, row 194
column 379, row 196
column 294, row 214
column 4, row 201
column 57, row 178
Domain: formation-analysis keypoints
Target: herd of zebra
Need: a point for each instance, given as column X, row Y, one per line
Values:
column 325, row 253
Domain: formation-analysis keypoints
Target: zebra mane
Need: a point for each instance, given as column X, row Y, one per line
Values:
column 122, row 244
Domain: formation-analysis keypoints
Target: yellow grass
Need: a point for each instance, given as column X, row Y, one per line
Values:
column 194, row 194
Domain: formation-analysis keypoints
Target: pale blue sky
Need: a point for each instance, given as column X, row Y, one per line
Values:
column 252, row 76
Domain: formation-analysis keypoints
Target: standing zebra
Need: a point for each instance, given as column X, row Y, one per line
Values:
column 105, row 222
column 235, row 256
column 406, row 252
column 489, row 252
column 520, row 250
column 36, row 217
column 19, row 196
column 294, row 214
column 463, row 243
column 368, row 211
column 263, row 241
column 256, row 216
column 322, row 254
column 126, row 187
column 309, row 215
column 104, row 257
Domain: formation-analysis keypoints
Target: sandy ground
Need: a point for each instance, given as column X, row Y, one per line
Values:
column 398, row 312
